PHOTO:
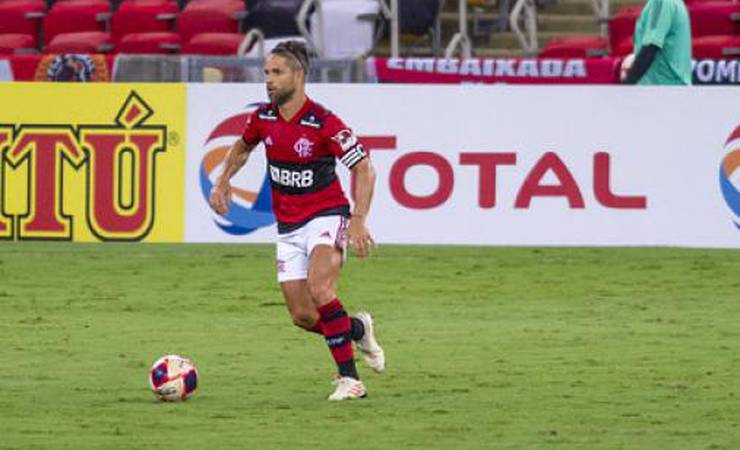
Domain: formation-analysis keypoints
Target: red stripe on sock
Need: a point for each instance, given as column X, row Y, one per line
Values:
column 343, row 353
column 330, row 309
column 338, row 326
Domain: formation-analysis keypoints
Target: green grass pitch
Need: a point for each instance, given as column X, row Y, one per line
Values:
column 488, row 348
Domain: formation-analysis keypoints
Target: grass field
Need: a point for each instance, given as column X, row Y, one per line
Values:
column 487, row 348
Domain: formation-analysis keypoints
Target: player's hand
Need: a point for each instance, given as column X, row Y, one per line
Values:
column 359, row 236
column 220, row 198
column 625, row 66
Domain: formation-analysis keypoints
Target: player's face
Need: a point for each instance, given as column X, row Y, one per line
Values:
column 280, row 79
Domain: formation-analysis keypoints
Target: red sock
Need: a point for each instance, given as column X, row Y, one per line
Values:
column 335, row 325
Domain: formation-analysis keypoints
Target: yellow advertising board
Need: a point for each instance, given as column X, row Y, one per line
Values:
column 92, row 162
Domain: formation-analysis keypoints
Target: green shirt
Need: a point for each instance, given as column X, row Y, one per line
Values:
column 665, row 24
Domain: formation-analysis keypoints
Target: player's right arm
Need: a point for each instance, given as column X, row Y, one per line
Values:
column 235, row 159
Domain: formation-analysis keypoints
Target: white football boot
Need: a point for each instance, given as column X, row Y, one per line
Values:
column 372, row 353
column 348, row 389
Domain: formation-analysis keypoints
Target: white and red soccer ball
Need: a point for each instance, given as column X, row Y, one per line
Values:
column 173, row 378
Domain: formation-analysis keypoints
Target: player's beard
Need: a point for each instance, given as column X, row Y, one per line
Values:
column 282, row 97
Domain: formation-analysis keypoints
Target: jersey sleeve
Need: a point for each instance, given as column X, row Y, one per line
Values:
column 251, row 133
column 343, row 142
column 659, row 19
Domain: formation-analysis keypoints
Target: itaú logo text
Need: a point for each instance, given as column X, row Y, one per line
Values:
column 118, row 164
column 537, row 183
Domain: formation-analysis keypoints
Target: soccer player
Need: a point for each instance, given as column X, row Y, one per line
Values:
column 303, row 140
column 662, row 45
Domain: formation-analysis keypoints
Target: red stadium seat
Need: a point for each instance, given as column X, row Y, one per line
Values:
column 21, row 17
column 149, row 43
column 81, row 42
column 126, row 3
column 624, row 48
column 576, row 47
column 142, row 2
column 622, row 25
column 17, row 43
column 76, row 16
column 716, row 47
column 63, row 4
column 33, row 3
column 143, row 17
column 209, row 16
column 714, row 18
column 214, row 44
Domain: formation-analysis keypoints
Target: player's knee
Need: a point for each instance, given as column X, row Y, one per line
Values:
column 321, row 290
column 304, row 320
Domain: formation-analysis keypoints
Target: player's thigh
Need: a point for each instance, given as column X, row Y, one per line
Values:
column 324, row 265
column 291, row 257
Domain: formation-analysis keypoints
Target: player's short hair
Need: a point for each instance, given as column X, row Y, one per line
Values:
column 295, row 52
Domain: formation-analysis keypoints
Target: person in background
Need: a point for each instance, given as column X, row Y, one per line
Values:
column 662, row 44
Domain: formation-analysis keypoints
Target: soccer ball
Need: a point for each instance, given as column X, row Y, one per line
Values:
column 173, row 378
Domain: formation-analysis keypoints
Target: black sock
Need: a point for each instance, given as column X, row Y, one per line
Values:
column 357, row 329
column 348, row 369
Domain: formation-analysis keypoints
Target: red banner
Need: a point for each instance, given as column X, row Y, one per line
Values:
column 61, row 67
column 484, row 70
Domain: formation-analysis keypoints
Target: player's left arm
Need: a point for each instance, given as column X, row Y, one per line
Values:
column 357, row 232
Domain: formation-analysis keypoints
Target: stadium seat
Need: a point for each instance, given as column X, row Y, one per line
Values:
column 21, row 17
column 622, row 26
column 80, row 42
column 624, row 48
column 716, row 47
column 348, row 27
column 417, row 17
column 76, row 16
column 714, row 18
column 143, row 17
column 420, row 20
column 149, row 43
column 32, row 3
column 126, row 3
column 213, row 44
column 275, row 18
column 576, row 47
column 76, row 4
column 210, row 17
column 12, row 43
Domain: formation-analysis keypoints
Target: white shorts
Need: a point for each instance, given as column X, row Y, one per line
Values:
column 294, row 248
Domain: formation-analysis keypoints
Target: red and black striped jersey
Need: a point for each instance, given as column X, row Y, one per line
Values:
column 301, row 161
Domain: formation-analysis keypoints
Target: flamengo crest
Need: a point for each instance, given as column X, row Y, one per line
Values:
column 303, row 147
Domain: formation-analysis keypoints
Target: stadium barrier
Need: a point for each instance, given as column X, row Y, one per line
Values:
column 471, row 164
column 92, row 162
column 506, row 165
column 194, row 69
